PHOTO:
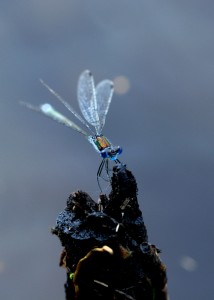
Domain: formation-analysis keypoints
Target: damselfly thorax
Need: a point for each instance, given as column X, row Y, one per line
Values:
column 102, row 145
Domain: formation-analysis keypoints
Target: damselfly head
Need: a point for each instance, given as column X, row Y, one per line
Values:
column 111, row 152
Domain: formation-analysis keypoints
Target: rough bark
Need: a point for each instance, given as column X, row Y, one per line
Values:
column 106, row 251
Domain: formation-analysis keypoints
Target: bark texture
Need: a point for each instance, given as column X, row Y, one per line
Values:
column 106, row 251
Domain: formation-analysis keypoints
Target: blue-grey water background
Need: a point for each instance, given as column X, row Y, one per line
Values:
column 164, row 122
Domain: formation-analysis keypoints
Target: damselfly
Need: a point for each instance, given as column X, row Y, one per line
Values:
column 94, row 104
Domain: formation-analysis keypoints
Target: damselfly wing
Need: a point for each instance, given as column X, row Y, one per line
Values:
column 94, row 104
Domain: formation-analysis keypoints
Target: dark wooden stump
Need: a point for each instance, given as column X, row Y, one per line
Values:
column 105, row 246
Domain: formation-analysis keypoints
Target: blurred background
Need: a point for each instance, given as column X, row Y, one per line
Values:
column 161, row 56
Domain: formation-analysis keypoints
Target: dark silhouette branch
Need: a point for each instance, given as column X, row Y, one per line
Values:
column 106, row 251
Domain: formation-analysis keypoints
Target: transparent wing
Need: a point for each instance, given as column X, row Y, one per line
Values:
column 69, row 107
column 86, row 95
column 104, row 93
column 52, row 113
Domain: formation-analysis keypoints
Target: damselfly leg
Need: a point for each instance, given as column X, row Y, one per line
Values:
column 105, row 163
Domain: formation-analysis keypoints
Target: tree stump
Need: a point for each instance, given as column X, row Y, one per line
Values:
column 106, row 251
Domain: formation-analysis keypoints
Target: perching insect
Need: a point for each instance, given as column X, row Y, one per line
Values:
column 94, row 104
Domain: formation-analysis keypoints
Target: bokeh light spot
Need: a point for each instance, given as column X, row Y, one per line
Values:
column 121, row 85
column 188, row 263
